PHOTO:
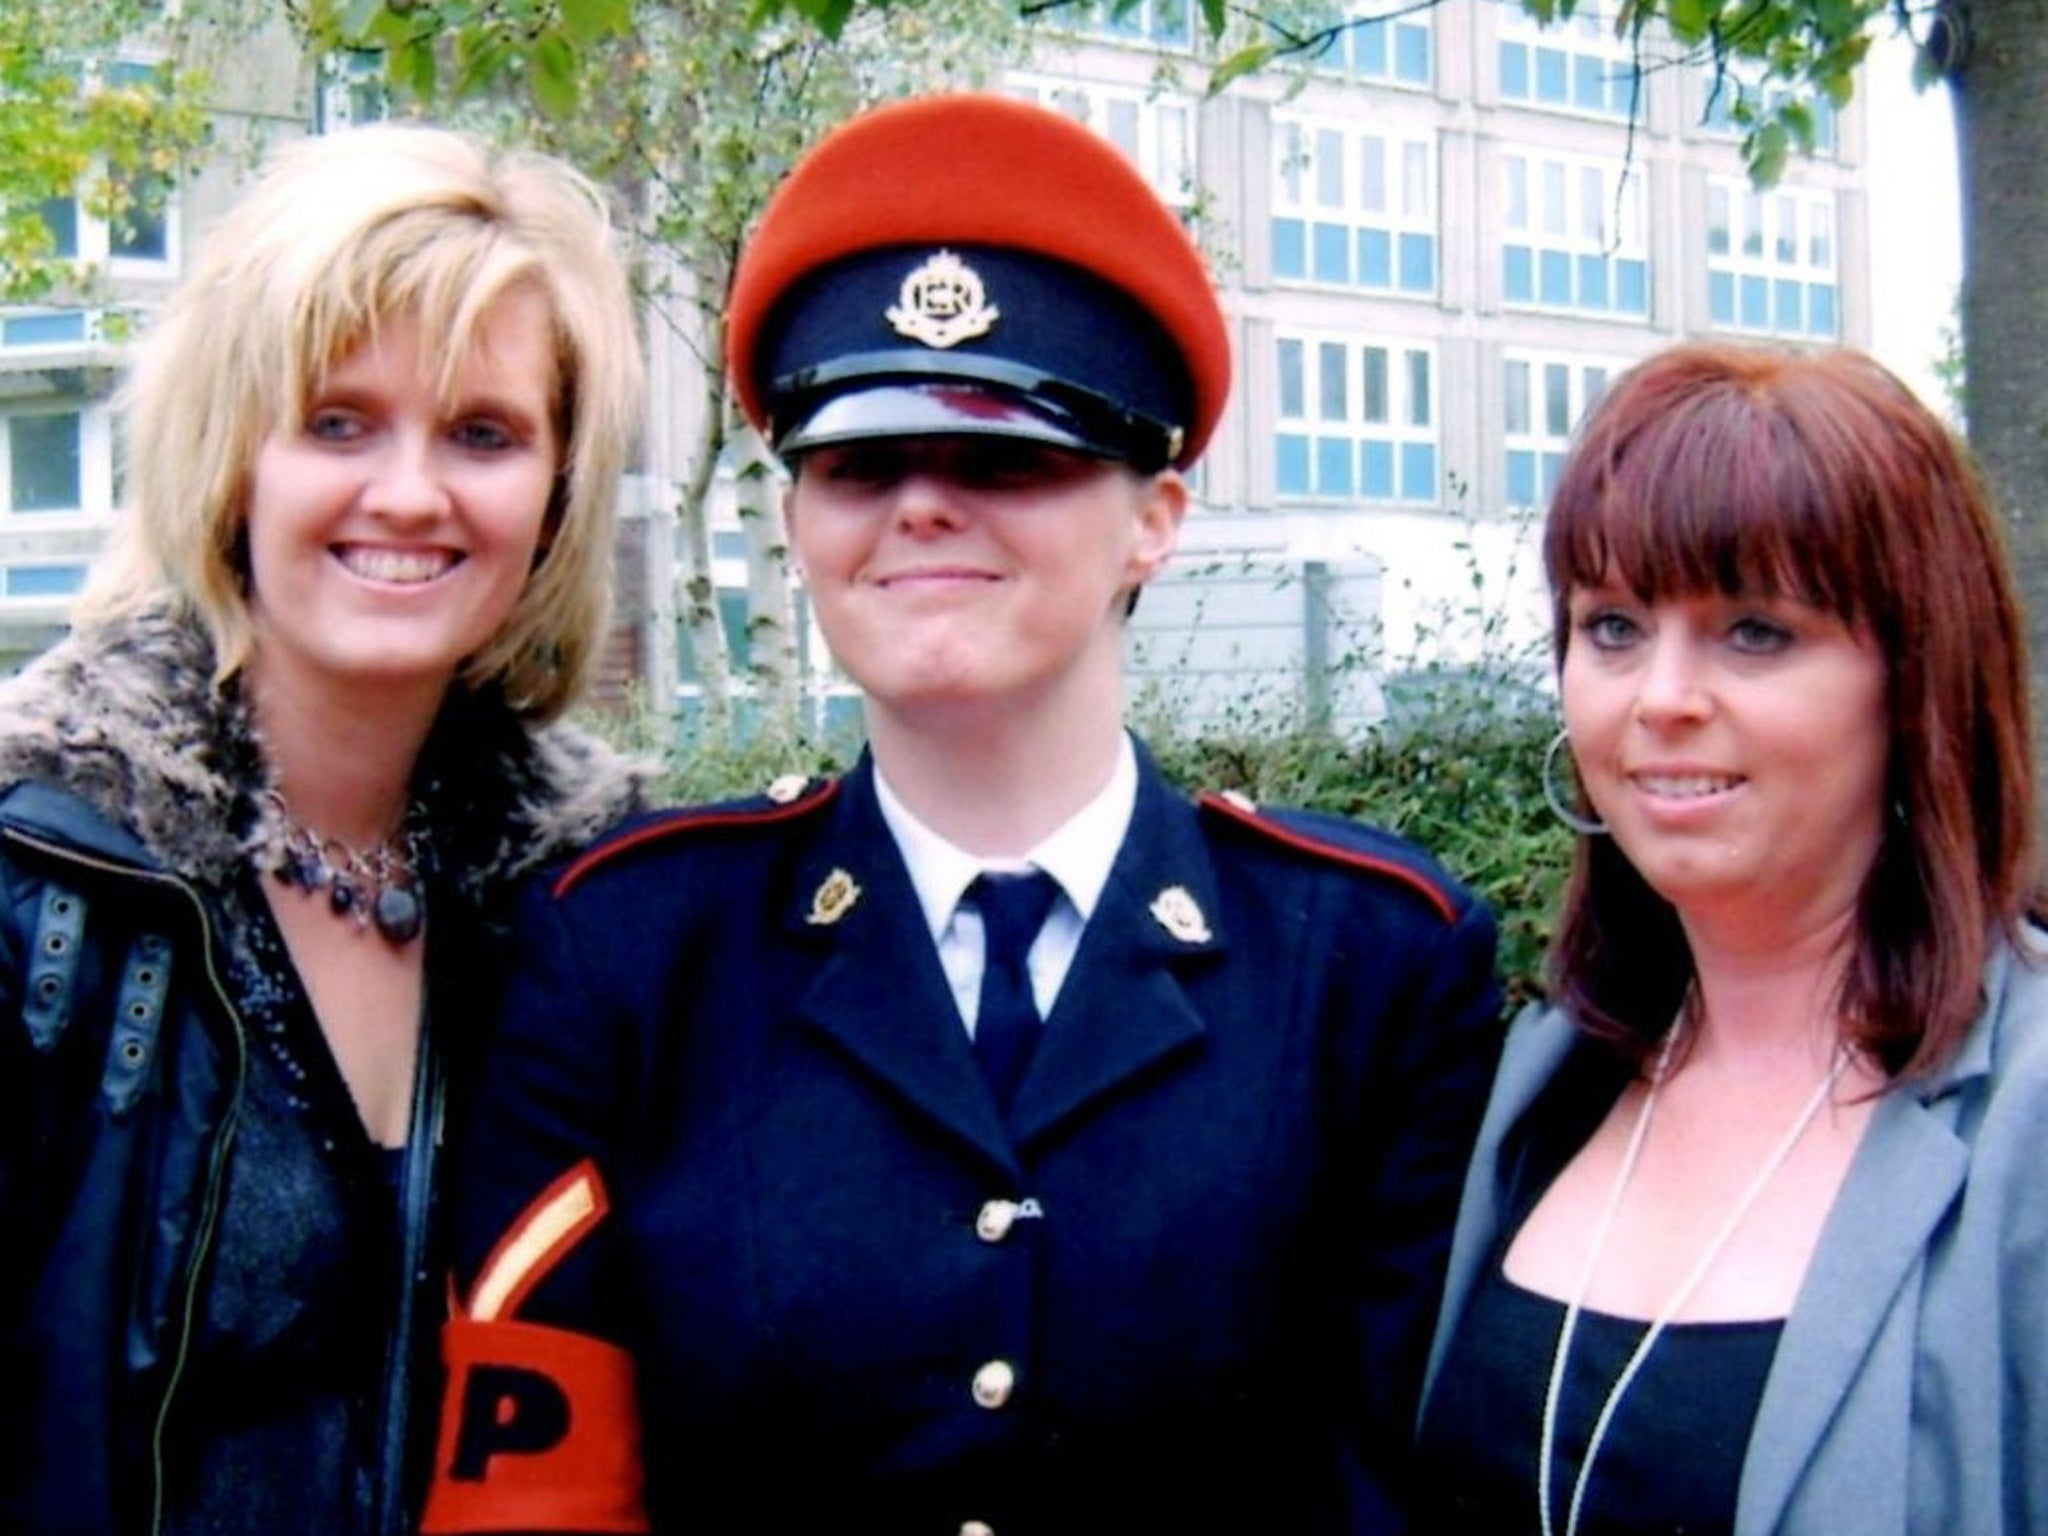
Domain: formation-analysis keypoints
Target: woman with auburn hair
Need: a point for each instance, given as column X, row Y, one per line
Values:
column 259, row 816
column 1753, row 1240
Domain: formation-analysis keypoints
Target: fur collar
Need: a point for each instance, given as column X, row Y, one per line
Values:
column 127, row 719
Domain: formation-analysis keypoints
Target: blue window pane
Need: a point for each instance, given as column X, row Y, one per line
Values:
column 1288, row 360
column 60, row 217
column 1411, row 53
column 1290, row 248
column 1518, row 277
column 1369, row 49
column 1824, row 127
column 1521, row 478
column 44, row 580
column 1621, row 90
column 1631, row 286
column 1820, row 308
column 1593, row 282
column 43, row 470
column 1418, row 263
column 1375, row 259
column 1556, row 269
column 140, row 233
column 1333, row 466
column 1170, row 22
column 1721, row 297
column 1514, row 71
column 1333, row 253
column 1377, row 461
column 43, row 330
column 1589, row 83
column 1290, row 464
column 1788, row 302
column 1418, row 472
column 1756, row 301
column 1553, row 470
column 1550, row 76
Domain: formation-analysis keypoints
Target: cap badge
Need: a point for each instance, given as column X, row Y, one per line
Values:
column 833, row 900
column 1176, row 911
column 942, row 303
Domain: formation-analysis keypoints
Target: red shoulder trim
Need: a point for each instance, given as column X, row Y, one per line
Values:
column 1357, row 858
column 750, row 814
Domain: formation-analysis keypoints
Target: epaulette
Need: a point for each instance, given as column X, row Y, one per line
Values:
column 1339, row 841
column 789, row 798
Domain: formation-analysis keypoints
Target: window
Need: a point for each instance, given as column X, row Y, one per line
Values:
column 43, row 462
column 1544, row 396
column 32, row 330
column 1166, row 23
column 1771, row 260
column 1729, row 102
column 140, row 236
column 1156, row 132
column 353, row 90
column 30, row 581
column 1390, row 50
column 1353, row 209
column 1357, row 421
column 1576, row 64
column 55, row 461
column 1574, row 237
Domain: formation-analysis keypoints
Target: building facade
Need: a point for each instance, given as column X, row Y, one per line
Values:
column 1436, row 240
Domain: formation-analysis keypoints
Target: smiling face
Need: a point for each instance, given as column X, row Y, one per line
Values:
column 977, row 570
column 1736, row 748
column 391, row 533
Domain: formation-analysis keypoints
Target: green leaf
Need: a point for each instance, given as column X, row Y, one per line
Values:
column 828, row 16
column 1766, row 151
column 587, row 21
column 554, row 75
column 1243, row 62
column 1691, row 19
column 1215, row 16
column 355, row 21
column 412, row 68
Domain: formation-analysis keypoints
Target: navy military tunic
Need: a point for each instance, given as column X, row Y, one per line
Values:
column 1185, row 1285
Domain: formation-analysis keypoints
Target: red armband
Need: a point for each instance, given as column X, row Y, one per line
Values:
column 540, row 1427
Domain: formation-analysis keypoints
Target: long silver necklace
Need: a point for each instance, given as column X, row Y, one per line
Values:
column 1546, row 1450
column 377, row 886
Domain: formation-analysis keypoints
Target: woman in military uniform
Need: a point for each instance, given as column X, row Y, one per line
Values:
column 994, row 1139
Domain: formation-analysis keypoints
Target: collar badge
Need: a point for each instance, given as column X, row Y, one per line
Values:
column 833, row 900
column 942, row 303
column 1175, row 910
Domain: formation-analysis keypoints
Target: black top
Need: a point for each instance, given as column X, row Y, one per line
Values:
column 276, row 1425
column 1672, row 1458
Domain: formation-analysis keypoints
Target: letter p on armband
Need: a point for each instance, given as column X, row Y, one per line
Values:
column 540, row 1427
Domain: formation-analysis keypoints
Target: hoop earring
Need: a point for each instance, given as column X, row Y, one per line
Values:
column 1586, row 826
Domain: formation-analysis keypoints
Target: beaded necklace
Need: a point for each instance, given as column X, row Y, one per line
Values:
column 377, row 886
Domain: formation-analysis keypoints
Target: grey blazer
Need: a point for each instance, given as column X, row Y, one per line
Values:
column 1909, row 1393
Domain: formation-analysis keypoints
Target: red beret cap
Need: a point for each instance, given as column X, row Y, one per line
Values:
column 986, row 171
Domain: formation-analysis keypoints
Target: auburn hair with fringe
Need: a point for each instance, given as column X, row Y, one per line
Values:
column 1746, row 472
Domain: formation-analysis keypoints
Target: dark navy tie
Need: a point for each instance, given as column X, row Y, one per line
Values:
column 1013, row 909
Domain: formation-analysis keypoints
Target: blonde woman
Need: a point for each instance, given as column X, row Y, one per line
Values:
column 256, row 817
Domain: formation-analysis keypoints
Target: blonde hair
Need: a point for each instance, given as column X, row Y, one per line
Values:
column 339, row 234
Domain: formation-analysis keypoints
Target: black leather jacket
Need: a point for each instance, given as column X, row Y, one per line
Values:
column 133, row 790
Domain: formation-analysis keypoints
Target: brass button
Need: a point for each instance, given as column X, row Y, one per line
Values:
column 976, row 1528
column 993, row 1384
column 992, row 1223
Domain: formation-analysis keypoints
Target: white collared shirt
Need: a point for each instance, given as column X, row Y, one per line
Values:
column 1077, row 855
